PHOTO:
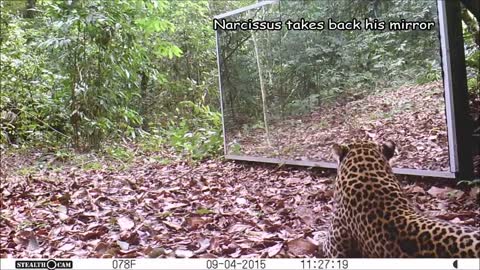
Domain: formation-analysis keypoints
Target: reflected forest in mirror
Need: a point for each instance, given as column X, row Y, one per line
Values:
column 290, row 94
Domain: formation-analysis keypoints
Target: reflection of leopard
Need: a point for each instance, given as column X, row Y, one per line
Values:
column 373, row 217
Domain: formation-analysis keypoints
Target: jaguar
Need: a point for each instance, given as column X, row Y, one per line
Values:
column 373, row 218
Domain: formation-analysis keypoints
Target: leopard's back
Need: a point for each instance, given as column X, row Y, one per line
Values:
column 373, row 217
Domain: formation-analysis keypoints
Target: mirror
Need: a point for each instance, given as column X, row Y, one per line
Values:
column 250, row 76
column 290, row 94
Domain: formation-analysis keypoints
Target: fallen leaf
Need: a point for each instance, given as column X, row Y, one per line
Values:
column 67, row 247
column 125, row 223
column 181, row 253
column 204, row 244
column 172, row 225
column 293, row 181
column 156, row 252
column 123, row 245
column 195, row 222
column 274, row 250
column 238, row 228
column 475, row 193
column 417, row 189
column 32, row 243
column 171, row 206
column 241, row 201
column 301, row 247
column 445, row 193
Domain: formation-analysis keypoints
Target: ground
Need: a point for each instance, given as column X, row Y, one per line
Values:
column 214, row 208
column 397, row 114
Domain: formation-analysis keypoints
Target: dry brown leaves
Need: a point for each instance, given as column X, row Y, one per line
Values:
column 213, row 209
column 412, row 116
column 209, row 210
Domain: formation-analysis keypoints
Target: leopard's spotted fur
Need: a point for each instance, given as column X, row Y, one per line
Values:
column 373, row 217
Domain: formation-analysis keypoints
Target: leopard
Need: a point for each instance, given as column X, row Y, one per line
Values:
column 373, row 217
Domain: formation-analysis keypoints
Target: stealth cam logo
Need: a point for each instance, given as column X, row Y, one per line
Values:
column 43, row 264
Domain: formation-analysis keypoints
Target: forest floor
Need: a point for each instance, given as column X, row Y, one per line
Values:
column 210, row 209
column 53, row 205
column 399, row 114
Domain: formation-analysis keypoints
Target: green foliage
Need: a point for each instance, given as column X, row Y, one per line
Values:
column 469, row 183
column 472, row 52
column 234, row 148
column 120, row 153
column 94, row 165
column 152, row 142
column 30, row 109
column 303, row 106
column 303, row 69
column 63, row 155
column 198, row 136
column 103, row 51
column 204, row 211
column 81, row 73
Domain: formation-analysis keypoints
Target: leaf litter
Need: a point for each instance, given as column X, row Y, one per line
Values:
column 211, row 209
column 397, row 114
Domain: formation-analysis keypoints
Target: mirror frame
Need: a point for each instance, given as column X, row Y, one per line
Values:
column 459, row 128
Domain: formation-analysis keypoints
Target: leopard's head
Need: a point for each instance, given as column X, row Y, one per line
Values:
column 362, row 162
column 363, row 151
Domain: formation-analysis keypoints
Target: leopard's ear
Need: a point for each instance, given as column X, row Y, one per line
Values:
column 388, row 149
column 339, row 152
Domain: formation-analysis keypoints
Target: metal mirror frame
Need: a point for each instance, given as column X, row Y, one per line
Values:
column 459, row 128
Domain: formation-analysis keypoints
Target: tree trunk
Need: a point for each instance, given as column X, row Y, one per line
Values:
column 29, row 12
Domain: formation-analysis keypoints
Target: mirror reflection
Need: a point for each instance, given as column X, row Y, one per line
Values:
column 290, row 94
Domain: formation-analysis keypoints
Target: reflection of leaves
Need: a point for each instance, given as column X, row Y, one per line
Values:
column 397, row 114
column 234, row 148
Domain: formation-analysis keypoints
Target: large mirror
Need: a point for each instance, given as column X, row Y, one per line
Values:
column 287, row 95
